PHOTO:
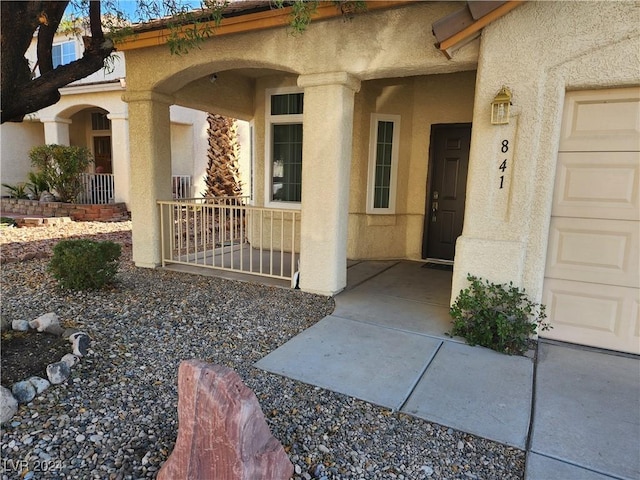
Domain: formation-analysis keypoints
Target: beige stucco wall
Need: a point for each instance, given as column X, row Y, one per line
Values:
column 402, row 46
column 16, row 139
column 539, row 50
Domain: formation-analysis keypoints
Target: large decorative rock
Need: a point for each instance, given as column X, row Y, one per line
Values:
column 8, row 405
column 80, row 341
column 58, row 372
column 20, row 325
column 70, row 359
column 40, row 384
column 47, row 197
column 23, row 391
column 222, row 432
column 46, row 321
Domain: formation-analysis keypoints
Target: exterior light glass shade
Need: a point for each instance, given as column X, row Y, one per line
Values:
column 500, row 107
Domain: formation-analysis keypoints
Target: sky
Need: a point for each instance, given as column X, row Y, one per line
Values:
column 129, row 7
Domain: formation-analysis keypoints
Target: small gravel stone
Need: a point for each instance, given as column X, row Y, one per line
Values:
column 156, row 318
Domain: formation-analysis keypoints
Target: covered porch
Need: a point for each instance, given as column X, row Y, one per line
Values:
column 225, row 234
column 326, row 115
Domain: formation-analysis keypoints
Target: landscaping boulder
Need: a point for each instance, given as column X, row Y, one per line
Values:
column 47, row 322
column 20, row 325
column 8, row 405
column 47, row 197
column 80, row 341
column 23, row 391
column 40, row 384
column 58, row 372
column 70, row 359
column 221, row 432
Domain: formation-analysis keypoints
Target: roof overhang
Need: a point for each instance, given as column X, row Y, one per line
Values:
column 461, row 27
column 236, row 21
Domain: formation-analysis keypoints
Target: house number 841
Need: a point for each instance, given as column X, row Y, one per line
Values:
column 503, row 166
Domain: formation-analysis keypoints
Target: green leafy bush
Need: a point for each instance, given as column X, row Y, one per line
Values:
column 500, row 317
column 84, row 264
column 61, row 168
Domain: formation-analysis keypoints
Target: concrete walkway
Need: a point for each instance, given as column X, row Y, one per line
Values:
column 386, row 343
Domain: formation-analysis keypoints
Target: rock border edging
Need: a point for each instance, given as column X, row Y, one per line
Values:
column 24, row 391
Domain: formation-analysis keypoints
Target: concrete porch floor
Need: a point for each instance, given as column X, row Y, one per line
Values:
column 577, row 412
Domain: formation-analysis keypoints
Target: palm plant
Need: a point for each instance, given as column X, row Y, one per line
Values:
column 222, row 177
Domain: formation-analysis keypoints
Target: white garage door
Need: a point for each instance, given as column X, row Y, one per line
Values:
column 592, row 279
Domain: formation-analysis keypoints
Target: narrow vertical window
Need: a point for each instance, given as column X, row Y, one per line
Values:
column 383, row 163
column 284, row 124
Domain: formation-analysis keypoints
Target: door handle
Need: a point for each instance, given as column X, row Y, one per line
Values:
column 434, row 207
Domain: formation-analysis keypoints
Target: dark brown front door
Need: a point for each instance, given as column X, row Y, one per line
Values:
column 449, row 162
column 102, row 154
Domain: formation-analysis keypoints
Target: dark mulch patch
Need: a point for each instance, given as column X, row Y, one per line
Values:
column 25, row 354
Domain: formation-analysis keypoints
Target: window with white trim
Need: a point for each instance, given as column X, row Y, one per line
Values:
column 63, row 53
column 284, row 146
column 383, row 163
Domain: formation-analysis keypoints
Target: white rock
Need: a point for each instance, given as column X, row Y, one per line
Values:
column 8, row 405
column 80, row 341
column 70, row 359
column 45, row 321
column 40, row 384
column 20, row 325
column 58, row 372
column 428, row 471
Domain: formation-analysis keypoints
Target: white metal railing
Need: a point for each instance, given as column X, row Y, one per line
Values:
column 223, row 233
column 181, row 186
column 97, row 188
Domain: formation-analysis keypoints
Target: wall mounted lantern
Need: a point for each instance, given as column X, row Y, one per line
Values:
column 500, row 107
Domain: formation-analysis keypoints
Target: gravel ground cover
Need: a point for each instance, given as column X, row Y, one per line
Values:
column 116, row 417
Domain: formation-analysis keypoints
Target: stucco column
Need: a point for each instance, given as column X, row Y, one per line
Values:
column 120, row 156
column 150, row 171
column 56, row 130
column 326, row 165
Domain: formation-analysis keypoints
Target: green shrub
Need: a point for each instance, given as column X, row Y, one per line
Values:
column 84, row 264
column 61, row 168
column 500, row 317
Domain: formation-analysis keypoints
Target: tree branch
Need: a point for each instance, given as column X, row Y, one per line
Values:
column 49, row 21
column 22, row 95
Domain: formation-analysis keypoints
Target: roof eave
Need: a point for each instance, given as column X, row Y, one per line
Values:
column 472, row 31
column 245, row 22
